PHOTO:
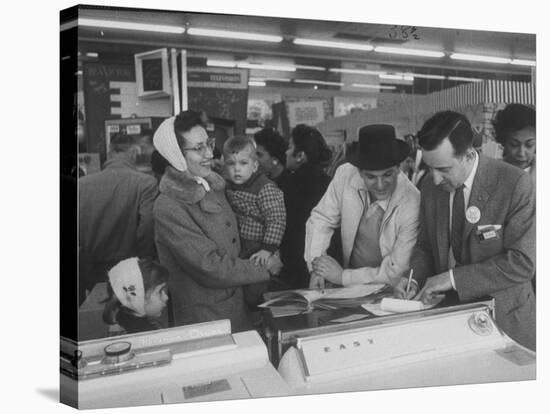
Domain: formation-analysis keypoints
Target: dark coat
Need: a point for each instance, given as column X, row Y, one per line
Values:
column 198, row 242
column 283, row 179
column 302, row 190
column 501, row 267
column 115, row 209
column 134, row 324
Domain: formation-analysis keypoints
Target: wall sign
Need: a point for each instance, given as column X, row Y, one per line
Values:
column 221, row 92
column 305, row 112
column 217, row 78
column 152, row 74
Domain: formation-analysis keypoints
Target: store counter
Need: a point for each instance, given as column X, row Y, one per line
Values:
column 202, row 362
column 444, row 346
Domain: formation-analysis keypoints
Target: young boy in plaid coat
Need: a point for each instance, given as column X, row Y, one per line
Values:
column 258, row 204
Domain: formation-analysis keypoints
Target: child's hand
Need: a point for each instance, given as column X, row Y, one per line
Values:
column 261, row 258
column 274, row 265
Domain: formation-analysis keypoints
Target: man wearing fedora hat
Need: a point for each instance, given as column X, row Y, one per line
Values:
column 376, row 208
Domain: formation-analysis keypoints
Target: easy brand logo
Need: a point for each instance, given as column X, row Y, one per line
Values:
column 346, row 346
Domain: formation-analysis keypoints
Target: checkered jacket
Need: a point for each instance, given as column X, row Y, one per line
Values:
column 260, row 209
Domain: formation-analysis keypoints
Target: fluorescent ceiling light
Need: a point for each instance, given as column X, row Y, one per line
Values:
column 247, row 65
column 115, row 24
column 278, row 79
column 369, row 86
column 410, row 52
column 379, row 72
column 256, row 83
column 68, row 25
column 337, row 45
column 306, row 67
column 260, row 66
column 423, row 76
column 356, row 71
column 523, row 62
column 396, row 76
column 316, row 82
column 222, row 63
column 269, row 80
column 463, row 79
column 479, row 58
column 234, row 35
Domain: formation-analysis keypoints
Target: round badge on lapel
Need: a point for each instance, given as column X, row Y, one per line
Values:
column 473, row 214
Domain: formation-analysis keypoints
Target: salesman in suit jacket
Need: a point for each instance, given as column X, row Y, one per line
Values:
column 477, row 228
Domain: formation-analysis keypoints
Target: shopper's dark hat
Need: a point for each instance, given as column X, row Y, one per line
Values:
column 378, row 148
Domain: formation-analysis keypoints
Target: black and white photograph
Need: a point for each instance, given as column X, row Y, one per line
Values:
column 263, row 208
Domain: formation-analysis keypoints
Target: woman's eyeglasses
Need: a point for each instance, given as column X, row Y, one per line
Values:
column 210, row 144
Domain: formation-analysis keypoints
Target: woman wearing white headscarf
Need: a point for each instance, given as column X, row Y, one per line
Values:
column 196, row 231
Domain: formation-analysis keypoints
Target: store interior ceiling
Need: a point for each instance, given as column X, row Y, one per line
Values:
column 290, row 60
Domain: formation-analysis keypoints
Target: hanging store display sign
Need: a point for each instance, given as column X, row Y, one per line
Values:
column 152, row 74
column 217, row 78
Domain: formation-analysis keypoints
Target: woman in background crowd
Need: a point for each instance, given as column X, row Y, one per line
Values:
column 271, row 148
column 306, row 157
column 515, row 129
column 196, row 231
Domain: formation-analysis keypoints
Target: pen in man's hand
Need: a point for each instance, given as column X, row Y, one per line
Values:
column 409, row 282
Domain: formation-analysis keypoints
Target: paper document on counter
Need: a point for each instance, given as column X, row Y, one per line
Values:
column 389, row 306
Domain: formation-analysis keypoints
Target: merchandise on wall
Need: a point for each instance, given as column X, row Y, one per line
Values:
column 478, row 101
column 348, row 105
column 260, row 110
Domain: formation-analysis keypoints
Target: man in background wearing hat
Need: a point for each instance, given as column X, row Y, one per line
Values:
column 115, row 213
column 477, row 228
column 376, row 208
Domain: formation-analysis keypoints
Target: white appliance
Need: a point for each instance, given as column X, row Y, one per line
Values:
column 202, row 362
column 455, row 345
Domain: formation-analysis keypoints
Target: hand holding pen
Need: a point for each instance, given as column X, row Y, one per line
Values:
column 406, row 288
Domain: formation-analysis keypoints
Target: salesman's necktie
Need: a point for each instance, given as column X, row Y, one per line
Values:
column 457, row 223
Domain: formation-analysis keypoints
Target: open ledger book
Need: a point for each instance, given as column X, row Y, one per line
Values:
column 291, row 302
